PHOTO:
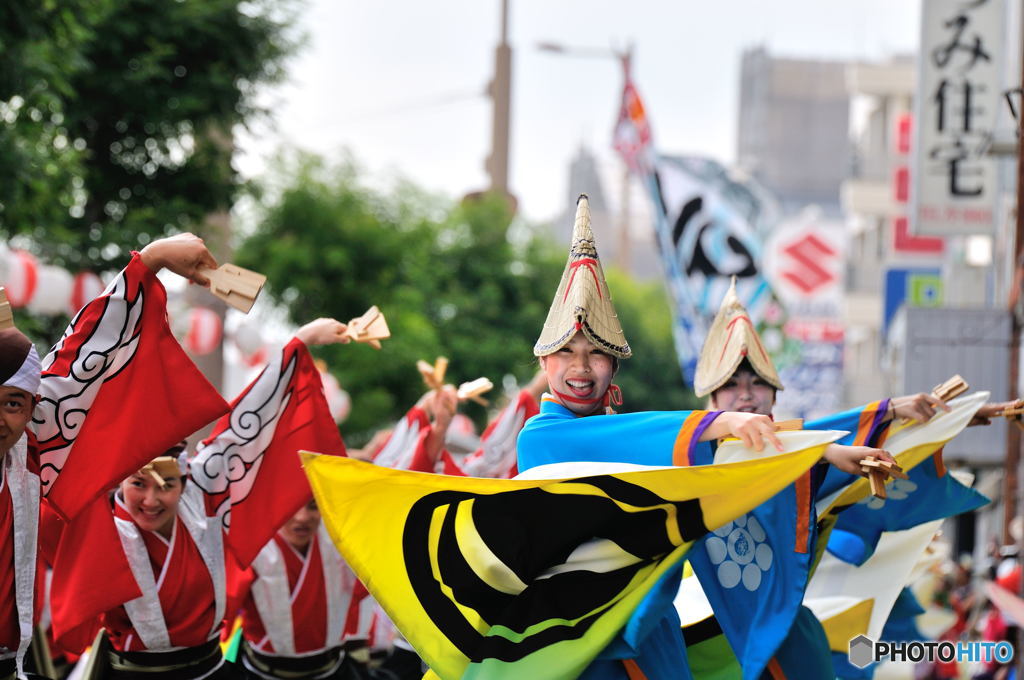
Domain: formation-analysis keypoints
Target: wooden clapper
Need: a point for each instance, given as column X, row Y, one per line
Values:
column 6, row 316
column 433, row 376
column 370, row 328
column 878, row 470
column 234, row 285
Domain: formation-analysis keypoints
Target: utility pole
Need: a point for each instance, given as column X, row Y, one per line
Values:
column 1012, row 465
column 500, row 91
column 1011, row 486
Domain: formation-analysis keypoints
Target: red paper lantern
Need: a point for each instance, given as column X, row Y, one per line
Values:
column 84, row 289
column 204, row 331
column 22, row 276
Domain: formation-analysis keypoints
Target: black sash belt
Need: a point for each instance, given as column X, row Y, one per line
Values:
column 292, row 666
column 180, row 663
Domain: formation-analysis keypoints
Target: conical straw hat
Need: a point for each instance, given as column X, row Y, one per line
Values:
column 732, row 339
column 582, row 301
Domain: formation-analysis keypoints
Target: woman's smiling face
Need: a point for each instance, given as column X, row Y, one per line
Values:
column 152, row 506
column 579, row 374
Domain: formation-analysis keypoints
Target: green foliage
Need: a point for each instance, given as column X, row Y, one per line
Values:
column 118, row 113
column 447, row 279
column 41, row 46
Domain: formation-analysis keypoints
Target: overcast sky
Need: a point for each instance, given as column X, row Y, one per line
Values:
column 401, row 84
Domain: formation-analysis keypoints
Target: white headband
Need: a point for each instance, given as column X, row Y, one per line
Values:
column 28, row 375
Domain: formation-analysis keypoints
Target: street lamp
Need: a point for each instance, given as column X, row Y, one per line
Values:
column 625, row 58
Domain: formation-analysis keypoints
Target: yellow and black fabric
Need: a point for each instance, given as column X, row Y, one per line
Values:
column 526, row 578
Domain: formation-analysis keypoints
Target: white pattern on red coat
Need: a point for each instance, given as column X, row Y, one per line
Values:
column 400, row 449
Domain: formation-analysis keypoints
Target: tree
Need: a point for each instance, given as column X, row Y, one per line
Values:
column 119, row 146
column 42, row 44
column 447, row 278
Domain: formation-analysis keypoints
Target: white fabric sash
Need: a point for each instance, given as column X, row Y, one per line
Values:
column 24, row 488
column 274, row 599
column 145, row 612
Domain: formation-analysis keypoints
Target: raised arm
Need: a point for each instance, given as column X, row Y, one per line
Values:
column 184, row 254
column 248, row 467
column 443, row 406
column 119, row 362
column 752, row 429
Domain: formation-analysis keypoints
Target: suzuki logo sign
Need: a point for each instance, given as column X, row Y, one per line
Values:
column 805, row 261
column 804, row 266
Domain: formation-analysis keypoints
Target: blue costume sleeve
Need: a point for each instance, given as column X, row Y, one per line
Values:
column 653, row 438
column 928, row 494
column 867, row 426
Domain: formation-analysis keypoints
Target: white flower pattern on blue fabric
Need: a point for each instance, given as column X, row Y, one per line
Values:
column 741, row 553
column 897, row 491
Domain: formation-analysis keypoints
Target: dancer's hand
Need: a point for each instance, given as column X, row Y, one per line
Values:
column 752, row 429
column 183, row 254
column 323, row 331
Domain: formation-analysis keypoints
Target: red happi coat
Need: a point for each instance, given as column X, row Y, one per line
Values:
column 9, row 633
column 181, row 580
column 166, row 594
column 496, row 457
column 405, row 448
column 297, row 604
column 90, row 428
column 249, row 466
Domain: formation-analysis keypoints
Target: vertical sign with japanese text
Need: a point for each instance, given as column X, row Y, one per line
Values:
column 958, row 96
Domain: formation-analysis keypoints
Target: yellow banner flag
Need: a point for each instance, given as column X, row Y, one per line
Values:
column 496, row 578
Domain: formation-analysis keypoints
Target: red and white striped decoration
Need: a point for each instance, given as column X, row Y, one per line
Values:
column 22, row 277
column 204, row 331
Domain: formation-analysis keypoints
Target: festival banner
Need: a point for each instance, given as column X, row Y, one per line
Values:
column 706, row 225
